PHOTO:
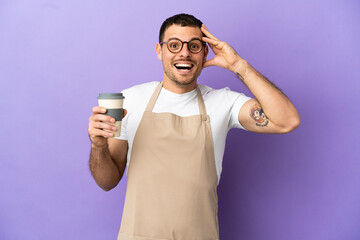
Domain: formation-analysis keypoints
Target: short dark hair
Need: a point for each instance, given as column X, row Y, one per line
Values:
column 185, row 20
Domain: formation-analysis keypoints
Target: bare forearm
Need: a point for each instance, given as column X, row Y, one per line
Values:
column 103, row 168
column 273, row 101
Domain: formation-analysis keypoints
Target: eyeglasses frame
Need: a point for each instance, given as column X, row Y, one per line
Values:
column 182, row 44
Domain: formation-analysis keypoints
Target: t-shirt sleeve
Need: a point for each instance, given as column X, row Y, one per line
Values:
column 123, row 134
column 239, row 100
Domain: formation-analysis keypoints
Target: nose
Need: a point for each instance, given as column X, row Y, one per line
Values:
column 185, row 50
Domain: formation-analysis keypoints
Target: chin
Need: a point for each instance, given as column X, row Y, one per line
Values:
column 183, row 82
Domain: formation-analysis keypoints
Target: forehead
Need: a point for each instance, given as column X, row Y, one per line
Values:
column 183, row 33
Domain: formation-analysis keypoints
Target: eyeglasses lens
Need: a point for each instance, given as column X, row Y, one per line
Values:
column 174, row 45
column 194, row 46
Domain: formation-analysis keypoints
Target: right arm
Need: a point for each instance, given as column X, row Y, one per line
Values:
column 108, row 155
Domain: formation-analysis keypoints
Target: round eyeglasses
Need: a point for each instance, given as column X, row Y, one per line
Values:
column 175, row 45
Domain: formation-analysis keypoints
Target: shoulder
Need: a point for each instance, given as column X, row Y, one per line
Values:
column 210, row 93
column 138, row 95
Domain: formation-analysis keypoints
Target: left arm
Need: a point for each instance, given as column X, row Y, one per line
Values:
column 271, row 111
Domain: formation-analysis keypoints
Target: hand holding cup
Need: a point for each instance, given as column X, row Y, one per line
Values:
column 105, row 122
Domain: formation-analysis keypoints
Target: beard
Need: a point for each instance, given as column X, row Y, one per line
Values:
column 181, row 83
column 172, row 77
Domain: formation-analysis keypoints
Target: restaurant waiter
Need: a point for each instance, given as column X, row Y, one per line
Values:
column 172, row 175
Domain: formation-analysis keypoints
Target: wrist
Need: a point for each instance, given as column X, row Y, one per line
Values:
column 99, row 146
column 241, row 66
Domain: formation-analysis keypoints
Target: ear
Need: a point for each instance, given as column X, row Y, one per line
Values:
column 206, row 51
column 158, row 51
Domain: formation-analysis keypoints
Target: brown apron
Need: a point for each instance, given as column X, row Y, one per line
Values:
column 172, row 180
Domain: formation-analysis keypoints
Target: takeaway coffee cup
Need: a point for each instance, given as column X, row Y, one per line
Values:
column 113, row 102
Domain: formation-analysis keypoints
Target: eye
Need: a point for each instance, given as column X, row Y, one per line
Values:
column 195, row 45
column 174, row 45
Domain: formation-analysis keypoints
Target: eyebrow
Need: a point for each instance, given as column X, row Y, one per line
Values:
column 195, row 38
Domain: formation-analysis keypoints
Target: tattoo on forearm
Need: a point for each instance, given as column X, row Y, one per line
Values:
column 258, row 115
column 239, row 76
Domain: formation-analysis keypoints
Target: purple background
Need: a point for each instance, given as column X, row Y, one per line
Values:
column 56, row 56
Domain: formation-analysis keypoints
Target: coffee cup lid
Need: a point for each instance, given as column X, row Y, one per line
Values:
column 110, row 96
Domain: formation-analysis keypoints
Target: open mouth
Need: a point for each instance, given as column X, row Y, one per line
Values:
column 183, row 66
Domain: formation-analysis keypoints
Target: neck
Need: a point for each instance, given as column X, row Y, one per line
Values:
column 178, row 88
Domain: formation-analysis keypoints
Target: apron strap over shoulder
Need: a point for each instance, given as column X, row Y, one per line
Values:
column 201, row 103
column 153, row 98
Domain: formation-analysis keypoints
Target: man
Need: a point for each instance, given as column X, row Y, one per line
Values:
column 173, row 135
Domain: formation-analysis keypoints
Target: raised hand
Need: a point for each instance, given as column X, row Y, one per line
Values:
column 225, row 56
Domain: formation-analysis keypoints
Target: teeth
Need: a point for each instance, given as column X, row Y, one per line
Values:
column 183, row 65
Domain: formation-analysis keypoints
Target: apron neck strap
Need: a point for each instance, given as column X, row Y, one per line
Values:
column 201, row 103
column 153, row 98
column 156, row 94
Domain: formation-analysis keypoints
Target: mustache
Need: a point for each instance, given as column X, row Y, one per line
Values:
column 184, row 60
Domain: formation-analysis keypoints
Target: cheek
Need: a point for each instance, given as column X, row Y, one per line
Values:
column 202, row 59
column 167, row 59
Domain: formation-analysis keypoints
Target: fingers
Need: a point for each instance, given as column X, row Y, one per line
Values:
column 207, row 33
column 98, row 109
column 215, row 45
column 211, row 41
column 101, row 126
column 96, row 133
column 208, row 63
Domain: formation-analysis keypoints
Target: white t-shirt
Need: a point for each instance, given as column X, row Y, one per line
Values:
column 222, row 106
